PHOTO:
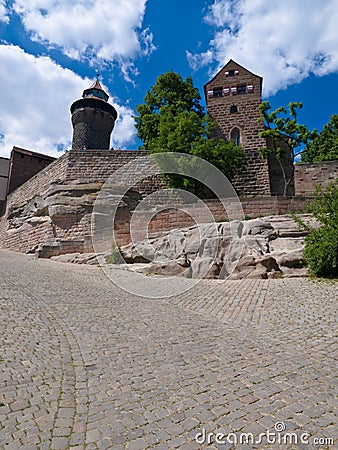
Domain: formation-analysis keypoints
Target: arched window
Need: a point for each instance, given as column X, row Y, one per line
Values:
column 233, row 109
column 235, row 136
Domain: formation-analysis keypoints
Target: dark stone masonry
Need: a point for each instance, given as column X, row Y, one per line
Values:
column 93, row 120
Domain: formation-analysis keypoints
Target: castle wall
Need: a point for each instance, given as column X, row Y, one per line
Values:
column 53, row 173
column 24, row 164
column 252, row 207
column 308, row 176
column 236, row 87
column 4, row 172
column 37, row 229
column 92, row 128
column 67, row 189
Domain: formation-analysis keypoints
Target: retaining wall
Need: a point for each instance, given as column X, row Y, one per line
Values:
column 308, row 176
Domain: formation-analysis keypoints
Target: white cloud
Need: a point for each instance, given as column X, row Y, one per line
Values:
column 3, row 12
column 199, row 59
column 35, row 98
column 124, row 130
column 282, row 41
column 100, row 31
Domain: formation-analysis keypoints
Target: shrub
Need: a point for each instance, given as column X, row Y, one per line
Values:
column 321, row 252
column 321, row 245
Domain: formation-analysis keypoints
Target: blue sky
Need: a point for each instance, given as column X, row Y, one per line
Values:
column 50, row 51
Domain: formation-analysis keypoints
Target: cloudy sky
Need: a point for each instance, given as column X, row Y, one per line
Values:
column 50, row 51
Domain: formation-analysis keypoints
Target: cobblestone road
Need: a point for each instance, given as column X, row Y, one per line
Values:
column 84, row 365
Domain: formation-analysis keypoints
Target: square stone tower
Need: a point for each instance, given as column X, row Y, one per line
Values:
column 232, row 99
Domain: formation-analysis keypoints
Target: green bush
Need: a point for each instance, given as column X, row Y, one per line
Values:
column 321, row 245
column 321, row 252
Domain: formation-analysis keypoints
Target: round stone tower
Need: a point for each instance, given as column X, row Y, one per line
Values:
column 93, row 119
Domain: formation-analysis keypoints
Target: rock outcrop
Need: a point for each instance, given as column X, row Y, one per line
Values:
column 58, row 220
column 267, row 247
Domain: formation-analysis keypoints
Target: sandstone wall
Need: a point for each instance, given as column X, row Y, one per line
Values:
column 98, row 165
column 252, row 208
column 53, row 209
column 24, row 164
column 55, row 172
column 308, row 176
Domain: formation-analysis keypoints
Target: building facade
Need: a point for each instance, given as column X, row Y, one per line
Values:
column 4, row 171
column 233, row 96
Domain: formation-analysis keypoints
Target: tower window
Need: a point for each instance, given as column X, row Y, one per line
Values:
column 231, row 73
column 235, row 136
column 241, row 89
column 218, row 92
column 233, row 109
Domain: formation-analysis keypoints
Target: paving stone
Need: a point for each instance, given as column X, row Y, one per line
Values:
column 105, row 369
column 19, row 405
column 59, row 443
column 137, row 444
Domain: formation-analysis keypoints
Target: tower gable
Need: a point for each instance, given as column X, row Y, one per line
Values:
column 233, row 96
column 233, row 74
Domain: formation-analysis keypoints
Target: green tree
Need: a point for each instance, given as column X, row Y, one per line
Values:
column 171, row 119
column 285, row 136
column 321, row 245
column 324, row 147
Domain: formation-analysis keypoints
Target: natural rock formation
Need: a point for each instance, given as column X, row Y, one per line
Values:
column 58, row 220
column 268, row 247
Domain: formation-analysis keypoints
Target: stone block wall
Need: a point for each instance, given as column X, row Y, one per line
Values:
column 308, row 176
column 98, row 165
column 53, row 209
column 24, row 164
column 55, row 172
column 232, row 98
column 68, row 188
column 88, row 166
column 92, row 127
column 183, row 216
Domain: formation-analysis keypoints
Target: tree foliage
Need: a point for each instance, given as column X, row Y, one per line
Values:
column 286, row 136
column 324, row 147
column 170, row 94
column 321, row 245
column 171, row 119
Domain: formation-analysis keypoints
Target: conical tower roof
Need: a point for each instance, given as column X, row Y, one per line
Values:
column 95, row 91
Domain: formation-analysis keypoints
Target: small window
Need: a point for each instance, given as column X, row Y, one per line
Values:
column 233, row 109
column 241, row 89
column 231, row 73
column 22, row 155
column 236, row 136
column 218, row 92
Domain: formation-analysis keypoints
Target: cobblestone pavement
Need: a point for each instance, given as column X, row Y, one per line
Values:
column 85, row 365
